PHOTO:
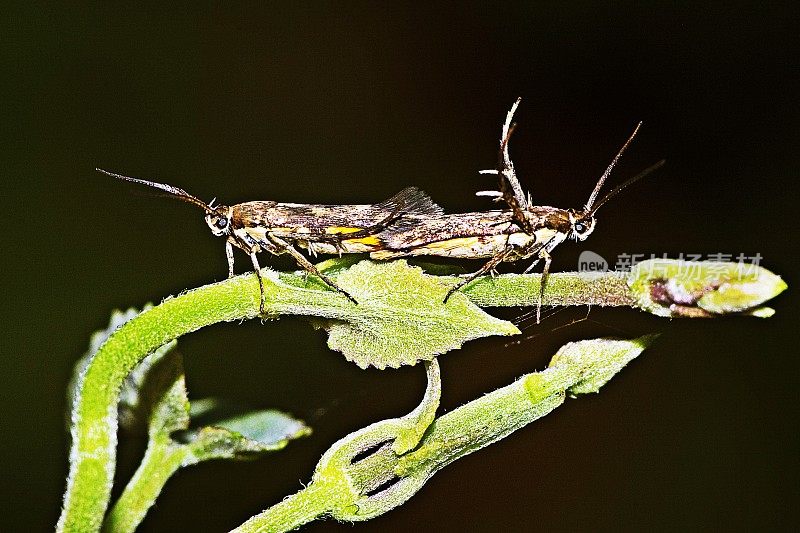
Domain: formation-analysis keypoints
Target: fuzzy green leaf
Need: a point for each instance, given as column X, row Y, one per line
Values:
column 401, row 317
column 243, row 436
column 598, row 360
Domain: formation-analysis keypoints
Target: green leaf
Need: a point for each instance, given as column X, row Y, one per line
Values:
column 401, row 318
column 244, row 436
column 598, row 360
column 268, row 427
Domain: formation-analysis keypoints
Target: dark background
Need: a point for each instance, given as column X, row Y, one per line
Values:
column 349, row 103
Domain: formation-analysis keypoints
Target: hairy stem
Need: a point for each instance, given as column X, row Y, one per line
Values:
column 94, row 417
column 563, row 288
column 160, row 461
column 294, row 511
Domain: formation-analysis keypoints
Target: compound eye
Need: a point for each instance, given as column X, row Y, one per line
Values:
column 580, row 227
column 221, row 223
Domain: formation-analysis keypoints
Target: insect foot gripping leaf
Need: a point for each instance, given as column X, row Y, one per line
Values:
column 401, row 319
column 673, row 288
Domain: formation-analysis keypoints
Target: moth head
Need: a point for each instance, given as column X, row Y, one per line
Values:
column 219, row 220
column 581, row 224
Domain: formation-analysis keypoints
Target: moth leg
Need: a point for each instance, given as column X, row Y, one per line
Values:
column 262, row 306
column 501, row 222
column 309, row 267
column 531, row 267
column 229, row 255
column 490, row 265
column 492, row 271
column 544, row 254
column 540, row 249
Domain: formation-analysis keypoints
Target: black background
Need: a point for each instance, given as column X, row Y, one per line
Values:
column 349, row 103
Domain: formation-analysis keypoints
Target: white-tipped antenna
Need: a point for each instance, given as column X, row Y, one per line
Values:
column 605, row 175
column 176, row 192
column 510, row 190
column 508, row 166
column 491, row 194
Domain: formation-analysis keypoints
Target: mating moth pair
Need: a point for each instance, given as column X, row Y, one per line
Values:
column 407, row 224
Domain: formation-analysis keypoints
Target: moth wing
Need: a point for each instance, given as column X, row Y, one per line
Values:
column 410, row 232
column 408, row 205
column 411, row 201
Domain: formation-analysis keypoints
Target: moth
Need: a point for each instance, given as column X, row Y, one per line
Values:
column 522, row 231
column 281, row 228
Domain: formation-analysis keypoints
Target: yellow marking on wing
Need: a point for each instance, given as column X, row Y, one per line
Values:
column 335, row 230
column 468, row 247
column 372, row 240
column 544, row 234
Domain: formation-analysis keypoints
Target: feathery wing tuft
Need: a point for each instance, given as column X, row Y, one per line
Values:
column 411, row 201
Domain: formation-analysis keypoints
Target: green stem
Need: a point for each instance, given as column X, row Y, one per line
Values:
column 351, row 485
column 94, row 417
column 563, row 288
column 477, row 424
column 300, row 508
column 162, row 458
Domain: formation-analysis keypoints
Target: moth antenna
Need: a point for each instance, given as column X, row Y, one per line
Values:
column 176, row 192
column 605, row 175
column 505, row 162
column 510, row 188
column 631, row 181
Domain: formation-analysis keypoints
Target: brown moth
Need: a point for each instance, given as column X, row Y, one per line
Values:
column 520, row 232
column 280, row 228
